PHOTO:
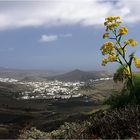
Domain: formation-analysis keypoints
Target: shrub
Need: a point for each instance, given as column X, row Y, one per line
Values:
column 33, row 133
column 66, row 131
column 70, row 130
column 124, row 97
column 120, row 123
column 117, row 100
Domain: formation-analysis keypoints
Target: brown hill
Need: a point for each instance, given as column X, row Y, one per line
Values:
column 78, row 75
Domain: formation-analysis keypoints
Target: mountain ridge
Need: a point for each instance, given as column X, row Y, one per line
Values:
column 43, row 75
column 79, row 75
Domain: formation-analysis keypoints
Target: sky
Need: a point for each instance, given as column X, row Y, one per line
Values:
column 61, row 34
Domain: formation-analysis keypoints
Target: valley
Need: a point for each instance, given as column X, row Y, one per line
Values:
column 48, row 104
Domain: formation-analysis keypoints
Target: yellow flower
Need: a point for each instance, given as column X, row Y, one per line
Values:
column 126, row 42
column 104, row 61
column 131, row 42
column 112, row 18
column 118, row 17
column 123, row 30
column 137, row 62
column 109, row 43
column 112, row 58
column 112, row 22
column 134, row 44
column 107, row 48
column 105, row 35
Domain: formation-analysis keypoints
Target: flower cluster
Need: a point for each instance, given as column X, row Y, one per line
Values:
column 131, row 42
column 112, row 22
column 110, row 58
column 116, row 51
column 137, row 62
column 123, row 30
column 104, row 61
column 107, row 48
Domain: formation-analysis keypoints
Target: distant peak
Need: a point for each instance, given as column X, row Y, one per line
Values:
column 76, row 70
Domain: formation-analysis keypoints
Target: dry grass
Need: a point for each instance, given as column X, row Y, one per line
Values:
column 102, row 90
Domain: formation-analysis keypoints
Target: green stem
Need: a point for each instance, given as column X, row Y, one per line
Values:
column 132, row 85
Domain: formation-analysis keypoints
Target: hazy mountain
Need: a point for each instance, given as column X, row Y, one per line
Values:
column 78, row 75
column 43, row 75
column 27, row 75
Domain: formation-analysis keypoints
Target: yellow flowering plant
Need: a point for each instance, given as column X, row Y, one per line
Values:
column 116, row 49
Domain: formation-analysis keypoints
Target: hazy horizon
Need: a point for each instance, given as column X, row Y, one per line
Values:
column 60, row 35
column 58, row 70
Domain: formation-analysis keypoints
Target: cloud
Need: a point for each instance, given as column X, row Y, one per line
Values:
column 18, row 14
column 51, row 38
column 48, row 38
column 131, row 10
